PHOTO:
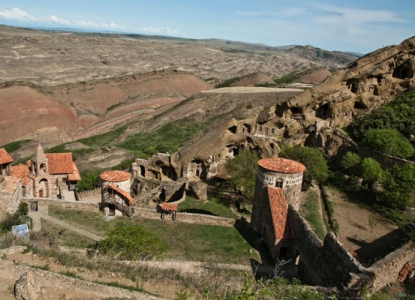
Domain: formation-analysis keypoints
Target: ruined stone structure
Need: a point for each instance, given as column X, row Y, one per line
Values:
column 278, row 184
column 116, row 198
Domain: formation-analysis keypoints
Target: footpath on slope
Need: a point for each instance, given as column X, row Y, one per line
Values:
column 37, row 216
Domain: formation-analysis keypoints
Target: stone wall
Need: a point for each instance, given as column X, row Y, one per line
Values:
column 327, row 264
column 387, row 270
column 386, row 160
column 90, row 193
column 185, row 218
column 80, row 205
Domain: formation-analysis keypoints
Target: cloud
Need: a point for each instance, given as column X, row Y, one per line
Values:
column 160, row 30
column 16, row 14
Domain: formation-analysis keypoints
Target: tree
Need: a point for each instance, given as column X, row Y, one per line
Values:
column 132, row 242
column 351, row 163
column 389, row 141
column 371, row 170
column 399, row 184
column 90, row 180
column 312, row 159
column 243, row 170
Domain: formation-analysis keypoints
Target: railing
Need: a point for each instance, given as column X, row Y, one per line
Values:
column 126, row 210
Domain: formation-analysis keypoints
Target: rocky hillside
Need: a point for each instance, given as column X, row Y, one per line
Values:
column 65, row 112
column 363, row 86
column 50, row 58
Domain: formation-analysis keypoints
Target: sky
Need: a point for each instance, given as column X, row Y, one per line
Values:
column 353, row 25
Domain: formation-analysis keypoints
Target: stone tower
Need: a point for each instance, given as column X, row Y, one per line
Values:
column 40, row 163
column 276, row 173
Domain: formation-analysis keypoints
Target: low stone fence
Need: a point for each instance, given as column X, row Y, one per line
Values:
column 90, row 193
column 148, row 213
column 386, row 160
column 81, row 205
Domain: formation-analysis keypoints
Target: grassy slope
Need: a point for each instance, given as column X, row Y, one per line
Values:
column 193, row 242
column 311, row 212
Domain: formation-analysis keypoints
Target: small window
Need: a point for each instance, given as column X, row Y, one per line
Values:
column 260, row 128
column 278, row 184
column 273, row 130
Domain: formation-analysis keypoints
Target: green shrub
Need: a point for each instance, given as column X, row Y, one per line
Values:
column 90, row 180
column 389, row 141
column 351, row 163
column 132, row 242
column 371, row 170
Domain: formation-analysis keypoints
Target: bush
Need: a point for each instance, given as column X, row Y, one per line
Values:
column 132, row 243
column 351, row 163
column 389, row 141
column 243, row 170
column 371, row 170
column 312, row 159
column 90, row 180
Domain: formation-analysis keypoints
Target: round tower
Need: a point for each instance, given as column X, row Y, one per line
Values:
column 115, row 190
column 280, row 173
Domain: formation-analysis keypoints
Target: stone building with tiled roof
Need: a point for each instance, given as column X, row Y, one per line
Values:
column 278, row 184
column 5, row 161
column 10, row 186
column 47, row 175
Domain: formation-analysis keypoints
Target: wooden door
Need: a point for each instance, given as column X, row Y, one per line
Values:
column 41, row 194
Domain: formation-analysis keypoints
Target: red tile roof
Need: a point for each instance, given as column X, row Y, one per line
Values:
column 9, row 184
column 5, row 157
column 169, row 206
column 115, row 176
column 281, row 165
column 75, row 173
column 407, row 268
column 279, row 213
column 124, row 193
column 22, row 172
column 60, row 163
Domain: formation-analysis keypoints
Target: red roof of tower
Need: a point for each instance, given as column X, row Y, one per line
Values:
column 281, row 165
column 124, row 193
column 5, row 157
column 279, row 213
column 115, row 176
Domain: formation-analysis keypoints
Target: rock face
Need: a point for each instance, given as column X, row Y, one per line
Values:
column 364, row 85
column 26, row 288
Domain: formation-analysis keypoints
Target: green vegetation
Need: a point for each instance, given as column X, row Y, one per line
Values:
column 13, row 146
column 399, row 184
column 22, row 160
column 215, row 206
column 289, row 78
column 243, row 169
column 90, row 180
column 398, row 114
column 82, row 151
column 371, row 170
column 311, row 158
column 389, row 141
column 67, row 237
column 192, row 242
column 103, row 139
column 333, row 223
column 169, row 137
column 19, row 217
column 351, row 163
column 116, row 105
column 133, row 243
column 57, row 149
column 125, row 165
column 311, row 212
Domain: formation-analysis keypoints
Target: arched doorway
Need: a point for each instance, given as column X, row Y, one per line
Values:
column 43, row 188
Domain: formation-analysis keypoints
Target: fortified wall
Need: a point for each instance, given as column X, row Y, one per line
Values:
column 329, row 264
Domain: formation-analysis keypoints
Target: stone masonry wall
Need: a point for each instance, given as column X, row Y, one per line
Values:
column 387, row 161
column 387, row 270
column 327, row 264
column 81, row 205
column 185, row 218
column 89, row 193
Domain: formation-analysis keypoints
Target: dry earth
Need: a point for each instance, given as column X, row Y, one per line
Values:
column 51, row 58
column 356, row 232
